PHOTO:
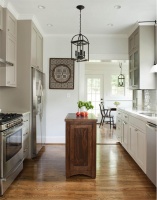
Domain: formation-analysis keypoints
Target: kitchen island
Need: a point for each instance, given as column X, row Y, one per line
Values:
column 80, row 145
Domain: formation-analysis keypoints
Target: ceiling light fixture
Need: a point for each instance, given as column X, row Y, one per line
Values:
column 121, row 77
column 110, row 25
column 80, row 44
column 41, row 7
column 117, row 6
column 49, row 25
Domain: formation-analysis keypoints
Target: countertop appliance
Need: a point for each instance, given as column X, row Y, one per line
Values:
column 37, row 111
column 11, row 152
column 151, row 138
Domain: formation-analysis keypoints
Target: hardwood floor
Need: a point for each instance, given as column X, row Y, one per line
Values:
column 105, row 135
column 118, row 178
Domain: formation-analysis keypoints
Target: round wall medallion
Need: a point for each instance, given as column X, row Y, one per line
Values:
column 61, row 73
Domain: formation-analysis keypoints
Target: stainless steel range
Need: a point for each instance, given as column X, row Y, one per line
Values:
column 11, row 153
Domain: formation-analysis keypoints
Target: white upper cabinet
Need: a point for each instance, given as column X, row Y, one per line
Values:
column 1, row 18
column 11, row 25
column 141, row 58
column 8, row 51
column 37, row 49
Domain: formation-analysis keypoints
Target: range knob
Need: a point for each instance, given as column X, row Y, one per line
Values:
column 8, row 125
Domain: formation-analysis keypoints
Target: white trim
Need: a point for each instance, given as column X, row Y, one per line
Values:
column 2, row 3
column 57, row 139
column 89, row 35
column 11, row 8
column 109, row 57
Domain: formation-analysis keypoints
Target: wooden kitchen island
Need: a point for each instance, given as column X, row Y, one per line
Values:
column 80, row 145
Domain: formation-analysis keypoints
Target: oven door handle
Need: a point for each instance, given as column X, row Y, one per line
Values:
column 17, row 127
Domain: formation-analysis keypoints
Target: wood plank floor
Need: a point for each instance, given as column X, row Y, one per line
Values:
column 105, row 135
column 118, row 178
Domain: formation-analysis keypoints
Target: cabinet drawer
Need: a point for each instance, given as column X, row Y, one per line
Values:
column 119, row 114
column 119, row 122
column 141, row 125
column 125, row 117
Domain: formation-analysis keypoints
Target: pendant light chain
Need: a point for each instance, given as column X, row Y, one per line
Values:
column 80, row 21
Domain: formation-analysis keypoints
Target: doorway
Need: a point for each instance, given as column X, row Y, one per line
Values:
column 94, row 92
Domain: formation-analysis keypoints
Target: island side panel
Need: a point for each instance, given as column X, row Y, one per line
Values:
column 81, row 147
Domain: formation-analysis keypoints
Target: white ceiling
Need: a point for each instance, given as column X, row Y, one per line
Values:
column 96, row 16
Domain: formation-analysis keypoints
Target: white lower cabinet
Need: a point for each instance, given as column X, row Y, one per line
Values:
column 125, row 130
column 119, row 130
column 131, row 133
column 141, row 150
column 132, row 140
column 137, row 146
column 26, row 135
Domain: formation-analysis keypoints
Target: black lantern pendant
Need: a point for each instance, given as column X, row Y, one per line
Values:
column 121, row 77
column 80, row 44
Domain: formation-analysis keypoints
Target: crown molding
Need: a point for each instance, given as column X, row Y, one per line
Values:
column 2, row 3
column 12, row 10
column 18, row 16
column 90, row 35
column 36, row 22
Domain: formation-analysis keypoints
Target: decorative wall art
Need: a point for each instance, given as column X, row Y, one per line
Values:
column 61, row 73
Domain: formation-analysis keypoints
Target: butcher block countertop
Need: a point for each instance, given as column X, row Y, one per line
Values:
column 72, row 116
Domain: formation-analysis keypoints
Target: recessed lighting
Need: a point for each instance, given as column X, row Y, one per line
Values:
column 49, row 25
column 117, row 6
column 110, row 25
column 41, row 7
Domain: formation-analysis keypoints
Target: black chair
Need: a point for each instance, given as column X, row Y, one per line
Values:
column 106, row 114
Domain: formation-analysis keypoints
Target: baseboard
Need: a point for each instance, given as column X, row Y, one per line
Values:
column 55, row 140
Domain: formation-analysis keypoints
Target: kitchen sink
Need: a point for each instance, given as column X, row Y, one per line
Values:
column 149, row 114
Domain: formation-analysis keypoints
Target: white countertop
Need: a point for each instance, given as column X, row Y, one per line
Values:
column 136, row 113
column 23, row 112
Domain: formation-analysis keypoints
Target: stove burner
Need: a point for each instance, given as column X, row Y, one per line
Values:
column 7, row 117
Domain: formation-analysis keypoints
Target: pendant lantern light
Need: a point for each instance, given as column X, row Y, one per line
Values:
column 121, row 77
column 80, row 44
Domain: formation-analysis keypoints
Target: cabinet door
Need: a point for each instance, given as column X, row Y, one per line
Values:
column 125, row 135
column 119, row 125
column 11, row 57
column 119, row 134
column 39, row 52
column 11, row 25
column 1, row 18
column 81, row 137
column 132, row 147
column 34, row 47
column 141, row 150
column 131, row 43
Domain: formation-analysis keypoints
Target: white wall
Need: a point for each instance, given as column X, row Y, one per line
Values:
column 57, row 102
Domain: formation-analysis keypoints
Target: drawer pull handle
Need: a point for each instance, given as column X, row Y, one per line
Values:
column 25, row 133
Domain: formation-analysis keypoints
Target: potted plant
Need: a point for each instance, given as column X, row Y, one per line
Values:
column 87, row 105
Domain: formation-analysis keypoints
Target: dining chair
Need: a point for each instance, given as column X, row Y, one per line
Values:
column 106, row 115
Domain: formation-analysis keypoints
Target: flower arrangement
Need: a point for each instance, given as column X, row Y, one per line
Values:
column 87, row 104
column 116, row 103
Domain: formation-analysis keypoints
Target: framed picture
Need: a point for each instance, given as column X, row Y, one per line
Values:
column 61, row 73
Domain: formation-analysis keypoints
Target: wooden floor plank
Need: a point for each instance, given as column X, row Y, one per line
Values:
column 118, row 178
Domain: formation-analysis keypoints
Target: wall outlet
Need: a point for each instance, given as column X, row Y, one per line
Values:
column 68, row 95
